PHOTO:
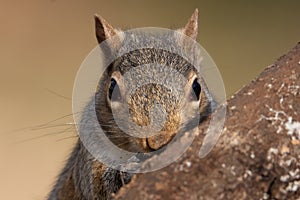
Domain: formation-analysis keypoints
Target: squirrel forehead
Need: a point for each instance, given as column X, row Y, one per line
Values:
column 157, row 57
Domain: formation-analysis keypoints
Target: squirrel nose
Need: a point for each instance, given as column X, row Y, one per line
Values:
column 157, row 141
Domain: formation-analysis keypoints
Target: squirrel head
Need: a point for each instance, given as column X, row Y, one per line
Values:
column 114, row 92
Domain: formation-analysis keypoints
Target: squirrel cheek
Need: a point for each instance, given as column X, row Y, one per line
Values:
column 115, row 105
column 189, row 109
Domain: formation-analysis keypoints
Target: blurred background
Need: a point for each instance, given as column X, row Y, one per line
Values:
column 43, row 42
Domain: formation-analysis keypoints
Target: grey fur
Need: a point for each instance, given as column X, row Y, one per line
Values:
column 83, row 176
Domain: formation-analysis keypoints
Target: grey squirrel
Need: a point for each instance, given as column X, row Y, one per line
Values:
column 84, row 177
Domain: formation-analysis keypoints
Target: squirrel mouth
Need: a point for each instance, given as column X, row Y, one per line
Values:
column 148, row 146
column 157, row 142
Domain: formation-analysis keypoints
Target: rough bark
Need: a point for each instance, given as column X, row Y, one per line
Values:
column 256, row 157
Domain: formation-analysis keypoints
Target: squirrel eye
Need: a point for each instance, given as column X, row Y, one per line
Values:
column 114, row 88
column 196, row 90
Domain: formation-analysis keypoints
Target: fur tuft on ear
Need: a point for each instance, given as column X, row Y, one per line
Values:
column 191, row 28
column 103, row 29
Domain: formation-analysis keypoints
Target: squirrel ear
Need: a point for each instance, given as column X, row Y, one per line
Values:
column 191, row 28
column 103, row 29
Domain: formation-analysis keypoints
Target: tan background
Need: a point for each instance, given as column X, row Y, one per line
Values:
column 42, row 44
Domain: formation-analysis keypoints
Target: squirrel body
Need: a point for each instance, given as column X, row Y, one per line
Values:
column 83, row 176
